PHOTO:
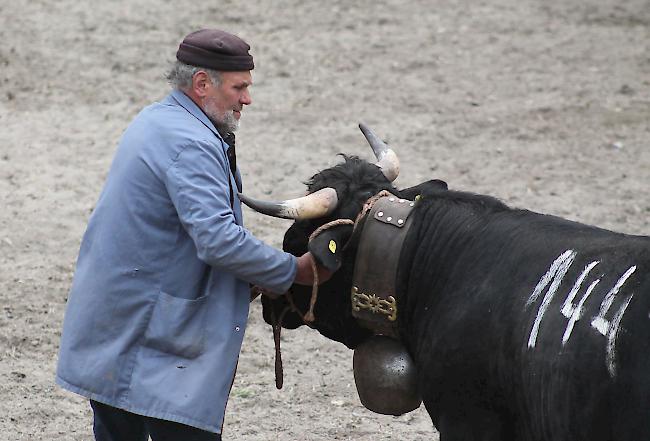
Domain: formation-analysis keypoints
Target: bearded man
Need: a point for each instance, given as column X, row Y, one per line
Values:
column 159, row 301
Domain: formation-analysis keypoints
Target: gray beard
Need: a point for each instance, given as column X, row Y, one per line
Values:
column 226, row 124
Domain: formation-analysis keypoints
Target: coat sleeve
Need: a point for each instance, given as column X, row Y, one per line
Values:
column 198, row 185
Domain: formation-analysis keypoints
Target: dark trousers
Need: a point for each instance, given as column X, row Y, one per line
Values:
column 112, row 424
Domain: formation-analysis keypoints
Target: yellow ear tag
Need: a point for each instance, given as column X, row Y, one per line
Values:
column 332, row 246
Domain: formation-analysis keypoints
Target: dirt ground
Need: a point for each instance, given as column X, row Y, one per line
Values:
column 545, row 105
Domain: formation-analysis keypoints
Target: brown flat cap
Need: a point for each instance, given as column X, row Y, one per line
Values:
column 215, row 49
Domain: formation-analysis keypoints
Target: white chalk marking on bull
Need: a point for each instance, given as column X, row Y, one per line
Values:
column 600, row 323
column 546, row 278
column 612, row 335
column 567, row 306
column 576, row 312
column 554, row 276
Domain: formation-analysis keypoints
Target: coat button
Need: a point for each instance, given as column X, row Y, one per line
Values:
column 237, row 328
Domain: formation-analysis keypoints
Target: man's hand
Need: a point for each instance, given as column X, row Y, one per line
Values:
column 305, row 273
column 304, row 276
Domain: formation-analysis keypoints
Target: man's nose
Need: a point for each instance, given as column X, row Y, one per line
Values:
column 246, row 98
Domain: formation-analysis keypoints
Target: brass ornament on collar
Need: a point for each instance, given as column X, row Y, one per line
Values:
column 371, row 302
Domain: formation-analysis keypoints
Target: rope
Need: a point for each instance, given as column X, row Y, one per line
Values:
column 327, row 226
column 277, row 329
column 367, row 206
column 309, row 316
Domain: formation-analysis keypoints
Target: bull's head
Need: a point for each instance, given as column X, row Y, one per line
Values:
column 335, row 193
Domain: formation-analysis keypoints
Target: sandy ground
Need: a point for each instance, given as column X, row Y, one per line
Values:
column 545, row 105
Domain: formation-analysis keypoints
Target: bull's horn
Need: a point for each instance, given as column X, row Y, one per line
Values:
column 386, row 158
column 314, row 205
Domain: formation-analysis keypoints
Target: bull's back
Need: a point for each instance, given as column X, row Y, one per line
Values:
column 542, row 321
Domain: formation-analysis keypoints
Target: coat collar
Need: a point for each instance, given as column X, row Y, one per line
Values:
column 186, row 102
column 189, row 105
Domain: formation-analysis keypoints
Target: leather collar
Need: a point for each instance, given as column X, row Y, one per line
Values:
column 374, row 294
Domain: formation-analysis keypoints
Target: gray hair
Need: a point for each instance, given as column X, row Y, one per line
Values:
column 180, row 75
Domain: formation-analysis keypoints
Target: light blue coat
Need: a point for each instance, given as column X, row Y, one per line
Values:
column 159, row 301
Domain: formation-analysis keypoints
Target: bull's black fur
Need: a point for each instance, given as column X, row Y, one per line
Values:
column 354, row 180
column 467, row 269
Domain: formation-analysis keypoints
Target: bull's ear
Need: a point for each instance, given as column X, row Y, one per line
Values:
column 423, row 189
column 327, row 247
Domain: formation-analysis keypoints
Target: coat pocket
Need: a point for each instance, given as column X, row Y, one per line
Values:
column 177, row 326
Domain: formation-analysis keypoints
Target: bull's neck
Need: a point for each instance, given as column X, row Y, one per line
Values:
column 433, row 260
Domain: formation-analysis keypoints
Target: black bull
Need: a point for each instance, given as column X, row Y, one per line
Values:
column 522, row 326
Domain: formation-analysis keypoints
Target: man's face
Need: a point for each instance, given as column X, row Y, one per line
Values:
column 224, row 103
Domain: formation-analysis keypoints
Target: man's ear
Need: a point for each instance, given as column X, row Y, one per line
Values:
column 200, row 81
column 327, row 247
